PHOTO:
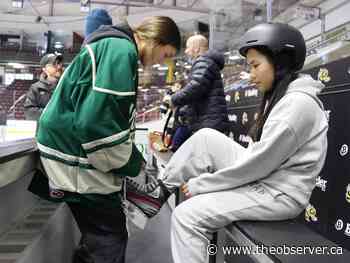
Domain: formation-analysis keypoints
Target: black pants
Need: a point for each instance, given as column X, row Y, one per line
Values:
column 104, row 235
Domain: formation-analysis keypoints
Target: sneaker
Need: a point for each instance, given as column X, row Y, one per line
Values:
column 149, row 198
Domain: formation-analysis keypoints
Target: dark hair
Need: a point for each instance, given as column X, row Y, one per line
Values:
column 284, row 75
column 161, row 29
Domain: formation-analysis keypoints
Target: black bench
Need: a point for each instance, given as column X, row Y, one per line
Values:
column 281, row 241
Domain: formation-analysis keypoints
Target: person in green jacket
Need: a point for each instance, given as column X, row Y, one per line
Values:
column 86, row 132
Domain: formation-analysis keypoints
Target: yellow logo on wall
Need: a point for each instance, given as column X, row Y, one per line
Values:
column 171, row 67
column 310, row 213
column 323, row 75
column 236, row 97
column 347, row 195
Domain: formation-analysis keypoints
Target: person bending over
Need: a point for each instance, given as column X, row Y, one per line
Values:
column 86, row 133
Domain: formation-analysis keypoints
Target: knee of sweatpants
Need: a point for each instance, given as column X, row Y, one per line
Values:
column 208, row 133
column 201, row 135
column 181, row 217
column 204, row 132
column 187, row 223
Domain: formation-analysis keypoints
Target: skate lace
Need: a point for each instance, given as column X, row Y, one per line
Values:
column 143, row 188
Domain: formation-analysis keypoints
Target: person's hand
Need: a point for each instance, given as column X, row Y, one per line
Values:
column 176, row 87
column 185, row 190
column 167, row 99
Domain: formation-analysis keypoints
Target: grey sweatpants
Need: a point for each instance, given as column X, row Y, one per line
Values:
column 195, row 220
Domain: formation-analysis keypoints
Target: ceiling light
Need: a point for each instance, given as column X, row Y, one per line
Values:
column 58, row 45
column 234, row 57
column 17, row 3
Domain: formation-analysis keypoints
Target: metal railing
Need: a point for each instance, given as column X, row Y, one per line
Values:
column 149, row 115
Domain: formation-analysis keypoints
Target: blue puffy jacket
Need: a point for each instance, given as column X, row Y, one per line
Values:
column 204, row 94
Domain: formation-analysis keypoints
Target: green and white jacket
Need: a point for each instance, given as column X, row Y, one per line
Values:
column 86, row 132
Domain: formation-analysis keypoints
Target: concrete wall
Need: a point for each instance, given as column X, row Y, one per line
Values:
column 15, row 200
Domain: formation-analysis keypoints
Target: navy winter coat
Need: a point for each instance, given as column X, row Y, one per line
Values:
column 204, row 94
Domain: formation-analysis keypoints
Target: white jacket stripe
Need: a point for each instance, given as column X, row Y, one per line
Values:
column 107, row 140
column 79, row 180
column 61, row 155
column 109, row 158
column 118, row 93
column 93, row 62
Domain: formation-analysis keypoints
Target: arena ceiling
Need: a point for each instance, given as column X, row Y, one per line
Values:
column 231, row 17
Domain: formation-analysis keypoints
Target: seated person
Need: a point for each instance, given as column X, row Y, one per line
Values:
column 273, row 178
column 178, row 127
column 181, row 130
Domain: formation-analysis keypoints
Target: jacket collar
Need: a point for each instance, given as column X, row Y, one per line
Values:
column 46, row 83
column 119, row 31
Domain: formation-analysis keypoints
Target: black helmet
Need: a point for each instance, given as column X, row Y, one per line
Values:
column 277, row 38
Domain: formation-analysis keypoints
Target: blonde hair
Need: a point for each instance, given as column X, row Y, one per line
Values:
column 199, row 43
column 160, row 30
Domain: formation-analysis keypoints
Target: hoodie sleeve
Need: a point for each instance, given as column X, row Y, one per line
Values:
column 200, row 82
column 105, row 116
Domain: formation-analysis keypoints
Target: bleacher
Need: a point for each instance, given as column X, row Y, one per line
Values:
column 11, row 101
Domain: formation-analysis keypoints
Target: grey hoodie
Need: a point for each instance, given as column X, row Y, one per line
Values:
column 290, row 153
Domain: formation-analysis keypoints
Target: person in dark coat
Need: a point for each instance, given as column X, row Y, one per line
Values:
column 204, row 93
column 40, row 92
